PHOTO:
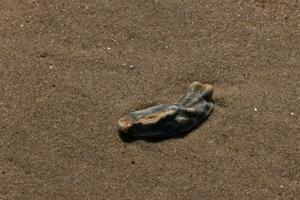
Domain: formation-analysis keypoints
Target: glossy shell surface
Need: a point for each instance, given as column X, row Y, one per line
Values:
column 168, row 120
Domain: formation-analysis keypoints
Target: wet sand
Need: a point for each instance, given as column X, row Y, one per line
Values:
column 70, row 69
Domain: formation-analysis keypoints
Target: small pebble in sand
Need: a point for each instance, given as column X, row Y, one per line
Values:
column 108, row 48
column 51, row 67
column 131, row 66
column 292, row 113
column 22, row 25
column 255, row 109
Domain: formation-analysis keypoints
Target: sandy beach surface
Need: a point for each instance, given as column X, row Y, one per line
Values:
column 70, row 69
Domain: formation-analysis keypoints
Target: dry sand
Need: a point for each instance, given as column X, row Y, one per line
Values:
column 70, row 69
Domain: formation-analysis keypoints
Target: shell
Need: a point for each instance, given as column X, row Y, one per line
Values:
column 169, row 120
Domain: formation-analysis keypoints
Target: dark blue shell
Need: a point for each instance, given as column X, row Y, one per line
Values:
column 168, row 120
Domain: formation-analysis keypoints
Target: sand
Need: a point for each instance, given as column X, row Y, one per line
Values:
column 70, row 69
